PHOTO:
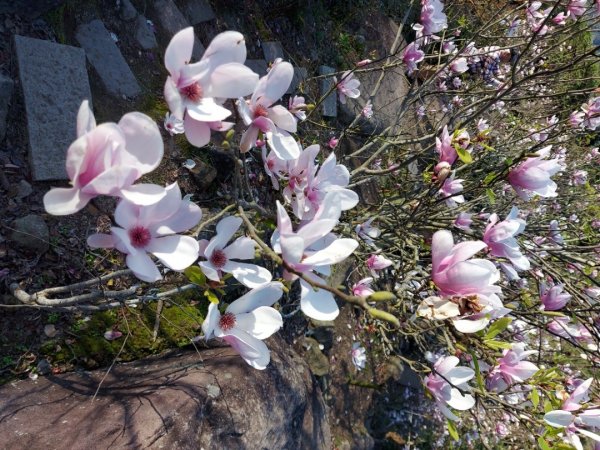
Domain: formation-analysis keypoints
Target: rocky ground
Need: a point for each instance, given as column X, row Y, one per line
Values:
column 121, row 40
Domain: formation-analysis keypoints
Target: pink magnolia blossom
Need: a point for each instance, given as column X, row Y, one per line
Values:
column 500, row 238
column 274, row 167
column 449, row 189
column 459, row 65
column 333, row 142
column 561, row 18
column 173, row 125
column 247, row 322
column 445, row 149
column 310, row 249
column 363, row 287
column 412, row 56
column 275, row 121
column 151, row 229
column 367, row 232
column 432, row 18
column 511, row 368
column 554, row 232
column 446, row 382
column 463, row 221
column 106, row 160
column 552, row 297
column 375, row 263
column 195, row 92
column 221, row 257
column 591, row 114
column 347, row 87
column 579, row 177
column 364, row 62
column 297, row 107
column 367, row 111
column 577, row 8
column 533, row 176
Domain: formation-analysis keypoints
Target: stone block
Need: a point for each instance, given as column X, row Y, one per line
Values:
column 329, row 104
column 198, row 11
column 144, row 35
column 257, row 65
column 172, row 20
column 300, row 75
column 272, row 50
column 6, row 90
column 106, row 58
column 55, row 82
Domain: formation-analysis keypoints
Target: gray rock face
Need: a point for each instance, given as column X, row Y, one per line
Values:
column 172, row 20
column 31, row 232
column 300, row 74
column 198, row 11
column 257, row 65
column 55, row 82
column 272, row 50
column 144, row 34
column 105, row 56
column 127, row 11
column 329, row 104
column 210, row 400
column 6, row 90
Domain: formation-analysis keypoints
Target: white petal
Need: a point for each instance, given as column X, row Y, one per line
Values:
column 336, row 252
column 264, row 295
column 85, row 119
column 63, row 201
column 196, row 132
column 558, row 418
column 143, row 140
column 252, row 350
column 437, row 308
column 176, row 252
column 292, row 248
column 318, row 305
column 231, row 80
column 282, row 118
column 226, row 228
column 283, row 144
column 470, row 326
column 207, row 111
column 143, row 267
column 211, row 320
column 179, row 51
column 101, row 240
column 459, row 375
column 143, row 194
column 209, row 270
column 250, row 275
column 460, row 401
column 242, row 248
column 260, row 323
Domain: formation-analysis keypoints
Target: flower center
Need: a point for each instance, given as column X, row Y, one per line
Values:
column 193, row 92
column 140, row 236
column 260, row 111
column 218, row 258
column 227, row 321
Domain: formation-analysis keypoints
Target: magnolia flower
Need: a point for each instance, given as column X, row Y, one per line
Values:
column 432, row 18
column 533, row 176
column 173, row 125
column 463, row 221
column 195, row 92
column 363, row 287
column 296, row 106
column 552, row 297
column 376, row 263
column 445, row 149
column 511, row 368
column 449, row 189
column 151, row 229
column 220, row 256
column 577, row 8
column 247, row 322
column 106, row 160
column 333, row 142
column 274, row 167
column 412, row 56
column 359, row 356
column 276, row 122
column 500, row 238
column 554, row 232
column 579, row 177
column 459, row 65
column 591, row 114
column 367, row 111
column 445, row 384
column 367, row 232
column 347, row 87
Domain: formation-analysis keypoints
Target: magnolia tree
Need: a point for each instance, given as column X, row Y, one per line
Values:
column 482, row 249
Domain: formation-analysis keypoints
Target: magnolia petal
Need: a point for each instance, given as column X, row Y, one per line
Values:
column 438, row 308
column 231, row 80
column 250, row 275
column 242, row 248
column 283, row 144
column 143, row 194
column 85, row 119
column 211, row 320
column 589, row 434
column 210, row 271
column 63, row 201
column 252, row 350
column 558, row 418
column 292, row 248
column 226, row 47
column 249, row 138
column 196, row 132
column 459, row 375
column 179, row 51
column 166, row 207
column 226, row 228
column 187, row 216
column 319, row 304
column 278, row 81
column 315, row 230
column 176, row 252
column 265, row 295
column 460, row 401
column 591, row 418
column 173, row 99
column 470, row 326
column 283, row 118
column 143, row 140
column 101, row 240
column 445, row 364
column 143, row 267
column 441, row 246
column 334, row 253
column 260, row 323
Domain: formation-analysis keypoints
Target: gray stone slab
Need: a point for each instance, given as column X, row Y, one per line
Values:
column 172, row 20
column 198, row 11
column 144, row 35
column 272, row 50
column 257, row 65
column 105, row 56
column 300, row 75
column 329, row 104
column 55, row 82
column 6, row 90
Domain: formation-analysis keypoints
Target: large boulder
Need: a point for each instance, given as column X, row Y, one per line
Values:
column 208, row 399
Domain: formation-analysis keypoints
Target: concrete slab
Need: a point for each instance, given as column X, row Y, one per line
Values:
column 106, row 58
column 55, row 82
column 257, row 65
column 329, row 104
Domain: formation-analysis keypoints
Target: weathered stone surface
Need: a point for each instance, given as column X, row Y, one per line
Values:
column 172, row 20
column 127, row 11
column 6, row 90
column 272, row 50
column 257, row 65
column 144, row 35
column 300, row 74
column 210, row 400
column 31, row 232
column 55, row 82
column 28, row 9
column 203, row 174
column 329, row 104
column 105, row 56
column 316, row 360
column 198, row 11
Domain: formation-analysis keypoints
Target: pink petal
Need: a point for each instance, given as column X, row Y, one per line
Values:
column 111, row 335
column 143, row 140
column 173, row 99
column 143, row 194
column 231, row 80
column 187, row 216
column 85, row 119
column 250, row 275
column 260, row 323
column 63, row 201
column 101, row 240
column 207, row 111
column 334, row 253
column 441, row 246
column 164, row 208
column 226, row 47
column 127, row 214
column 179, row 51
column 278, row 81
column 318, row 305
column 226, row 228
column 282, row 118
column 242, row 248
column 176, row 252
column 252, row 350
column 197, row 133
column 249, row 138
